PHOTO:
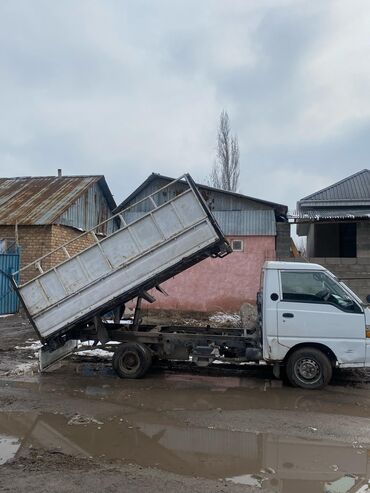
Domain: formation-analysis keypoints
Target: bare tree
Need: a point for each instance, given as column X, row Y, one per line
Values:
column 226, row 169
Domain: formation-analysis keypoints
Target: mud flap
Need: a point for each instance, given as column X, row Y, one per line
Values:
column 48, row 358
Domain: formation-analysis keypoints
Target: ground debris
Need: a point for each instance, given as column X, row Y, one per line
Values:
column 40, row 459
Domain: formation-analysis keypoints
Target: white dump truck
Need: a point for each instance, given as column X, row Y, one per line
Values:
column 309, row 322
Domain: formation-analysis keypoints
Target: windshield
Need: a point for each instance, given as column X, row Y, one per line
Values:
column 315, row 287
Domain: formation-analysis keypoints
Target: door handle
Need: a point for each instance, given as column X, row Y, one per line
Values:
column 288, row 315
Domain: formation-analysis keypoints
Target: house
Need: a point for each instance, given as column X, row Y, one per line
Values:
column 257, row 230
column 336, row 222
column 41, row 213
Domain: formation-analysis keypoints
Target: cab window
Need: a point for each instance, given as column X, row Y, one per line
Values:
column 315, row 287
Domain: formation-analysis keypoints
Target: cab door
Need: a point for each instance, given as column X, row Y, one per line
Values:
column 314, row 308
column 367, row 319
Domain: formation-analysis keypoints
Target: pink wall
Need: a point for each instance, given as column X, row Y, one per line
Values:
column 219, row 284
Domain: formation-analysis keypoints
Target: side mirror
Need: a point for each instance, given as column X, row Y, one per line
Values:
column 368, row 298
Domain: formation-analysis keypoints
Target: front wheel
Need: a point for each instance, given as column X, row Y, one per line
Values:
column 131, row 360
column 309, row 368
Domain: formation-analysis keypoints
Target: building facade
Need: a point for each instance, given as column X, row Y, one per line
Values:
column 40, row 214
column 336, row 222
column 257, row 230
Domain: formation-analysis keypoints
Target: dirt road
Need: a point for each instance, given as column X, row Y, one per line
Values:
column 80, row 428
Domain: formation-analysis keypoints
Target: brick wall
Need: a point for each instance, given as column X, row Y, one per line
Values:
column 34, row 241
column 61, row 235
column 37, row 241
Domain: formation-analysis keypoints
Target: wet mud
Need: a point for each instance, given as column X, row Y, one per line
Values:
column 80, row 428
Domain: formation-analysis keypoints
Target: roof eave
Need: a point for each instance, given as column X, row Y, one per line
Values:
column 303, row 204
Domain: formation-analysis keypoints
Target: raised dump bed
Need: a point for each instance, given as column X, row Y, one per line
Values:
column 145, row 249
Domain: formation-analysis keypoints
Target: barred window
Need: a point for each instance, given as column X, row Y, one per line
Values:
column 237, row 245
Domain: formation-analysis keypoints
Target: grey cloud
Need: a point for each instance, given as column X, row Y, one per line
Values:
column 130, row 87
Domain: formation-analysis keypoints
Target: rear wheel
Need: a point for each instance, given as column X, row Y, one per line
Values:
column 131, row 360
column 309, row 368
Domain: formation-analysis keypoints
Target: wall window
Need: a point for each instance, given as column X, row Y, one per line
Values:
column 315, row 287
column 237, row 245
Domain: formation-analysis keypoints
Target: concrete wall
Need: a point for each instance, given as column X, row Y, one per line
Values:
column 323, row 240
column 363, row 239
column 219, row 284
column 353, row 271
column 282, row 241
column 311, row 240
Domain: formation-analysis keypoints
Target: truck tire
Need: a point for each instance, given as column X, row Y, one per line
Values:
column 309, row 368
column 131, row 360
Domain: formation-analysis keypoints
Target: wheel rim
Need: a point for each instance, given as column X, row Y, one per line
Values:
column 308, row 370
column 130, row 362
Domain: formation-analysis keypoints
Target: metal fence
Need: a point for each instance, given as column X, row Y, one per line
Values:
column 9, row 264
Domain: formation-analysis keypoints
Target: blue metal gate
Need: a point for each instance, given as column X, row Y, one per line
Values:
column 9, row 263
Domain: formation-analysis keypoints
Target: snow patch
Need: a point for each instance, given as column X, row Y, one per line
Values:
column 97, row 353
column 78, row 419
column 23, row 369
column 232, row 319
column 33, row 346
column 247, row 479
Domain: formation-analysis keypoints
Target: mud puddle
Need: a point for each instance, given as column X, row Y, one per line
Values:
column 90, row 383
column 270, row 462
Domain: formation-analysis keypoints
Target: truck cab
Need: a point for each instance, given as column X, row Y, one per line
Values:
column 311, row 323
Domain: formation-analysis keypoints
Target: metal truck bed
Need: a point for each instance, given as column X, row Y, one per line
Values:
column 178, row 232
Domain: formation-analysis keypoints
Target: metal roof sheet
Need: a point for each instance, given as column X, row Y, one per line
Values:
column 354, row 188
column 41, row 200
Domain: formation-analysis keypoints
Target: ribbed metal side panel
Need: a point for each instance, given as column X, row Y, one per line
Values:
column 246, row 223
column 239, row 223
column 9, row 303
column 160, row 197
column 221, row 201
column 216, row 200
column 88, row 210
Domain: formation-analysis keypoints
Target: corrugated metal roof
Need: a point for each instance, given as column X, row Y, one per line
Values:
column 354, row 188
column 238, row 223
column 42, row 200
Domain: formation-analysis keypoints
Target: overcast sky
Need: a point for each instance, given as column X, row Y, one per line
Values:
column 125, row 88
